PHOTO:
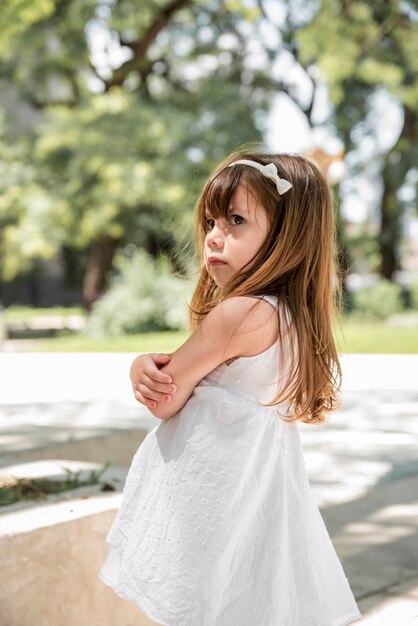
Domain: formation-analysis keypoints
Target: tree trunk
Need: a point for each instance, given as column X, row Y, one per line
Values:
column 396, row 165
column 98, row 267
column 344, row 260
column 390, row 225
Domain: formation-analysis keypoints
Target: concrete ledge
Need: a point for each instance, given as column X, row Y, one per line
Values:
column 27, row 515
column 52, row 552
column 116, row 446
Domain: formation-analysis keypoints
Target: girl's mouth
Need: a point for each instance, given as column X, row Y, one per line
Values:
column 215, row 261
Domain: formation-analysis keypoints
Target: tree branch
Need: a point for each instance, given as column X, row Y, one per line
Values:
column 140, row 47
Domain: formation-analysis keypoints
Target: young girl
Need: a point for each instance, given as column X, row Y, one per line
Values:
column 217, row 525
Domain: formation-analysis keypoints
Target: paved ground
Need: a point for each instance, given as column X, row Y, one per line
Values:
column 363, row 464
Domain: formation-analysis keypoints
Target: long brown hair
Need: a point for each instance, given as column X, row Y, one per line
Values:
column 297, row 263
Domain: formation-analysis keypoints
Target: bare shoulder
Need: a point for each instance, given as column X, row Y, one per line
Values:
column 240, row 308
column 238, row 326
column 249, row 325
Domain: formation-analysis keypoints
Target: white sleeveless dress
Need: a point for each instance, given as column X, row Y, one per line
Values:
column 217, row 524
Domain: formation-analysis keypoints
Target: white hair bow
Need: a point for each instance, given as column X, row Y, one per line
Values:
column 270, row 171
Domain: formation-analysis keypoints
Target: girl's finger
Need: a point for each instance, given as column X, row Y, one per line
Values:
column 161, row 356
column 155, row 374
column 153, row 395
column 145, row 401
column 156, row 386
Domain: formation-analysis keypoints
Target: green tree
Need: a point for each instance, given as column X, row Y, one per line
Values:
column 117, row 155
column 369, row 47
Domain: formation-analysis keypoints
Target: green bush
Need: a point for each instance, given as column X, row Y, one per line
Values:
column 379, row 301
column 144, row 296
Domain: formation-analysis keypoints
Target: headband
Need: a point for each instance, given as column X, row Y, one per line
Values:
column 270, row 171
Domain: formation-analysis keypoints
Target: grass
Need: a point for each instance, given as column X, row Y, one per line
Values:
column 146, row 342
column 14, row 489
column 354, row 336
column 366, row 337
column 21, row 314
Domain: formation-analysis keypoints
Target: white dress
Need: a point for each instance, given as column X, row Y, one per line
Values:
column 217, row 524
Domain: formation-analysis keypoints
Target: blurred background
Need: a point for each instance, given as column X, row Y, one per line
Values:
column 112, row 115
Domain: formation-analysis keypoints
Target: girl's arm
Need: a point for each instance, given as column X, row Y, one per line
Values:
column 238, row 326
column 148, row 383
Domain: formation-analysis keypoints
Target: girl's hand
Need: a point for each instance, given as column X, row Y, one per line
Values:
column 151, row 386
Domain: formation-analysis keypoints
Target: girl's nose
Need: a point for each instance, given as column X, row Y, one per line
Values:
column 215, row 236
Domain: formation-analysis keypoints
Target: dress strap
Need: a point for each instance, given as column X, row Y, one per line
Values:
column 273, row 300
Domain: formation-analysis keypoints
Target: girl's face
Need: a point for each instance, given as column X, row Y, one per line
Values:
column 234, row 239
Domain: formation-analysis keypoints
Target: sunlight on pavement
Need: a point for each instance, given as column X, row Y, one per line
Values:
column 366, row 534
column 392, row 612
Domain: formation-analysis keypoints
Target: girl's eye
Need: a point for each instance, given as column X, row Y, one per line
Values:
column 235, row 220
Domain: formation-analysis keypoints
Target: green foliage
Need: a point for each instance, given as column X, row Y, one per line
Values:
column 368, row 43
column 115, row 122
column 122, row 152
column 379, row 301
column 17, row 16
column 248, row 11
column 364, row 251
column 107, row 163
column 370, row 52
column 143, row 296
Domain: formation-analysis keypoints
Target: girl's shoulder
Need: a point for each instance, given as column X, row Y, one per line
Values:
column 250, row 321
column 241, row 308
